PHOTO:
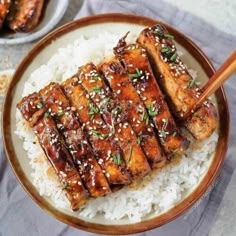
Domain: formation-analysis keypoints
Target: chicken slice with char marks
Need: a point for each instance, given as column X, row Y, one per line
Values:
column 180, row 88
column 113, row 114
column 67, row 123
column 52, row 143
column 136, row 63
column 135, row 109
column 109, row 154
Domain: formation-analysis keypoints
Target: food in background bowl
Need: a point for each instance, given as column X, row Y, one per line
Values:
column 20, row 15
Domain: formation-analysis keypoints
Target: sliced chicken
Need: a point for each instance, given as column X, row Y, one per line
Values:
column 52, row 143
column 180, row 88
column 63, row 114
column 136, row 63
column 109, row 154
column 113, row 114
column 137, row 116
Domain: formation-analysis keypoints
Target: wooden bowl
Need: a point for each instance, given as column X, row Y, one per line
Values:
column 41, row 52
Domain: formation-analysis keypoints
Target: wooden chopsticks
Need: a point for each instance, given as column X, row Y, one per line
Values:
column 221, row 75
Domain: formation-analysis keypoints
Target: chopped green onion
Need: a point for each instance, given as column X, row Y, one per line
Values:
column 175, row 150
column 145, row 117
column 152, row 110
column 95, row 133
column 173, row 57
column 169, row 36
column 152, row 113
column 162, row 134
column 39, row 105
column 46, row 114
column 60, row 113
column 138, row 72
column 64, row 186
column 142, row 116
column 96, row 78
column 116, row 158
column 106, row 100
column 135, row 75
column 158, row 33
column 192, row 82
column 174, row 133
column 112, row 126
column 96, row 89
column 104, row 136
column 130, row 153
column 139, row 139
column 92, row 109
column 165, row 49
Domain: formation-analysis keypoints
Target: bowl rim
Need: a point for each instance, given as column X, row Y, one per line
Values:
column 142, row 226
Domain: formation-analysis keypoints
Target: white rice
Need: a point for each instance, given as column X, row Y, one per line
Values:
column 158, row 192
